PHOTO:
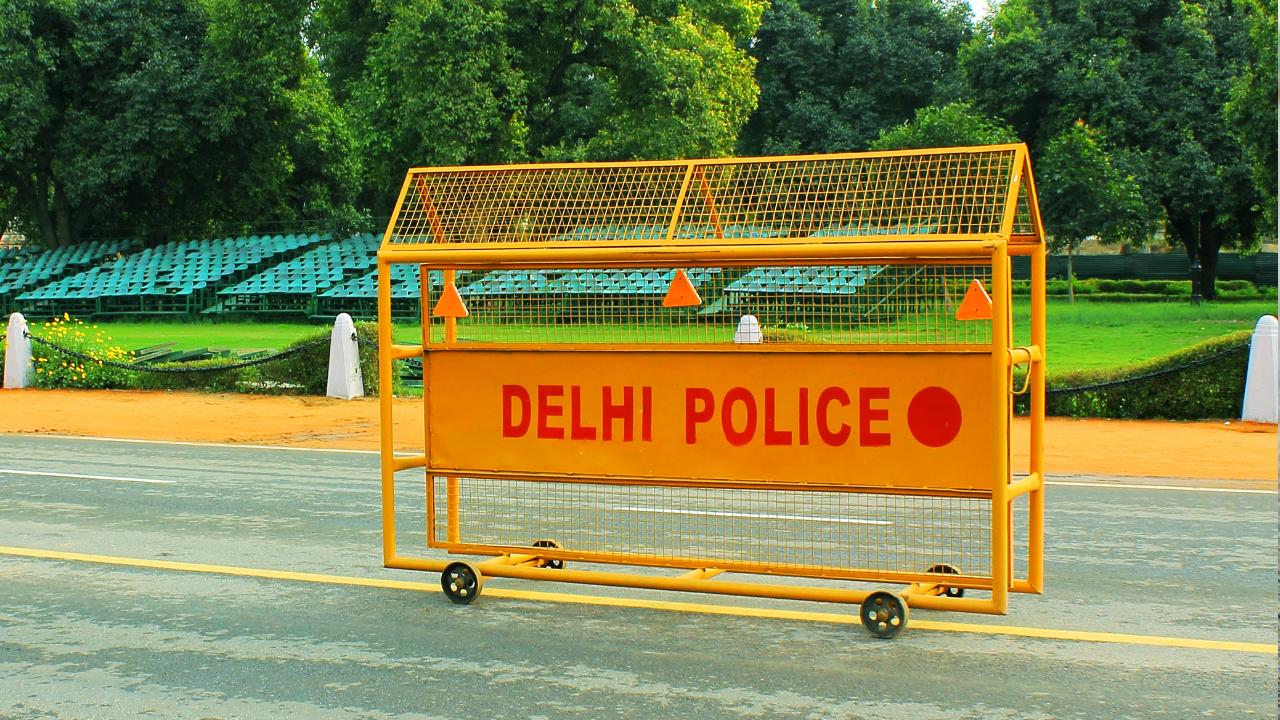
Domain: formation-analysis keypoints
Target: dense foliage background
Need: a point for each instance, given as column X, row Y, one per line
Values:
column 148, row 114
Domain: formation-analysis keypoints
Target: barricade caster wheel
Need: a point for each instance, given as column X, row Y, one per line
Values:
column 948, row 570
column 553, row 564
column 461, row 582
column 884, row 614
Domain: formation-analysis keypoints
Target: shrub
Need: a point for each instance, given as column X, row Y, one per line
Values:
column 309, row 369
column 207, row 376
column 789, row 333
column 55, row 369
column 1212, row 390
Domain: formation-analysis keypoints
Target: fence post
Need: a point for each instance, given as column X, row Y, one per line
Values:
column 1260, row 402
column 17, row 354
column 344, row 361
column 748, row 330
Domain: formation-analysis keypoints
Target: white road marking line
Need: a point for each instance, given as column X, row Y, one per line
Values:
column 1123, row 486
column 209, row 444
column 1140, row 486
column 5, row 471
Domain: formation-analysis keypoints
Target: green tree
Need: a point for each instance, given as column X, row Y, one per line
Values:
column 1252, row 108
column 1083, row 194
column 446, row 82
column 146, row 113
column 953, row 125
column 286, row 150
column 96, row 101
column 1154, row 77
column 834, row 73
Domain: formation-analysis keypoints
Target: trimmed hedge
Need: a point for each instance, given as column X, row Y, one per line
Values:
column 1213, row 390
column 213, row 380
column 310, row 368
column 1146, row 290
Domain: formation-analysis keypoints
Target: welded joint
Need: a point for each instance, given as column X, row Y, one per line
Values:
column 701, row 574
column 1024, row 355
column 405, row 463
column 400, row 352
column 1030, row 483
column 923, row 589
column 512, row 559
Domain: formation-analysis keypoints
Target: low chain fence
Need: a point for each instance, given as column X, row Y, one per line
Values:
column 1204, row 381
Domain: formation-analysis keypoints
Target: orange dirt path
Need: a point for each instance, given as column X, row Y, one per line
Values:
column 1206, row 450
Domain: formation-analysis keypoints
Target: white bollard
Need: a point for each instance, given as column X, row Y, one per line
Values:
column 344, row 361
column 748, row 330
column 17, row 354
column 1260, row 402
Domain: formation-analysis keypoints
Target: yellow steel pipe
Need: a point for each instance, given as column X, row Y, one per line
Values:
column 400, row 352
column 1022, row 586
column 1024, row 355
column 384, row 408
column 1036, row 372
column 1027, row 484
column 715, row 587
column 1000, row 561
column 611, row 255
column 706, row 162
column 405, row 463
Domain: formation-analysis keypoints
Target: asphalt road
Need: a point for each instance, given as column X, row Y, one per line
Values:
column 88, row 640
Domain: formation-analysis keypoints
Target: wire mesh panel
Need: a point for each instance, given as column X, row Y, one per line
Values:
column 829, row 534
column 935, row 194
column 811, row 305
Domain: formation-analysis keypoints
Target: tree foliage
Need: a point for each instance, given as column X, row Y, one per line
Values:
column 953, row 125
column 143, row 113
column 834, row 73
column 1083, row 194
column 96, row 104
column 1154, row 77
column 452, row 82
column 1252, row 108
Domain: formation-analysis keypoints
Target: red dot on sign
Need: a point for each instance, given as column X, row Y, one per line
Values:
column 934, row 417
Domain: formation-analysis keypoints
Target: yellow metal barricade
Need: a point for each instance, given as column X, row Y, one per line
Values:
column 767, row 366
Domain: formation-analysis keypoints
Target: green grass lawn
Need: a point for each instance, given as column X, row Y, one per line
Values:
column 1081, row 336
column 1093, row 336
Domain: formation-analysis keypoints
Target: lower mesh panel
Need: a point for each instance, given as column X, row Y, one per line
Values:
column 807, row 532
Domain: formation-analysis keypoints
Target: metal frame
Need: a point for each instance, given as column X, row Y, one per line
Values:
column 995, row 248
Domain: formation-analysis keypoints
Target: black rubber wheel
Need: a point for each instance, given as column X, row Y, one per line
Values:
column 553, row 564
column 884, row 614
column 944, row 569
column 461, row 582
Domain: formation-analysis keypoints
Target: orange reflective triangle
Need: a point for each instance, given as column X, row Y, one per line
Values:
column 450, row 305
column 976, row 304
column 681, row 292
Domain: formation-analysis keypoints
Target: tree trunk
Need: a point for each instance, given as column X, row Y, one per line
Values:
column 40, row 207
column 62, row 216
column 1202, row 241
column 1185, row 228
column 1071, row 279
column 1210, row 244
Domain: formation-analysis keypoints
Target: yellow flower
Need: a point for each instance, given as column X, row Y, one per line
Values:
column 39, row 370
column 66, row 316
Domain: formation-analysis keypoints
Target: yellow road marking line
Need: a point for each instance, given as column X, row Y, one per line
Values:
column 703, row 608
